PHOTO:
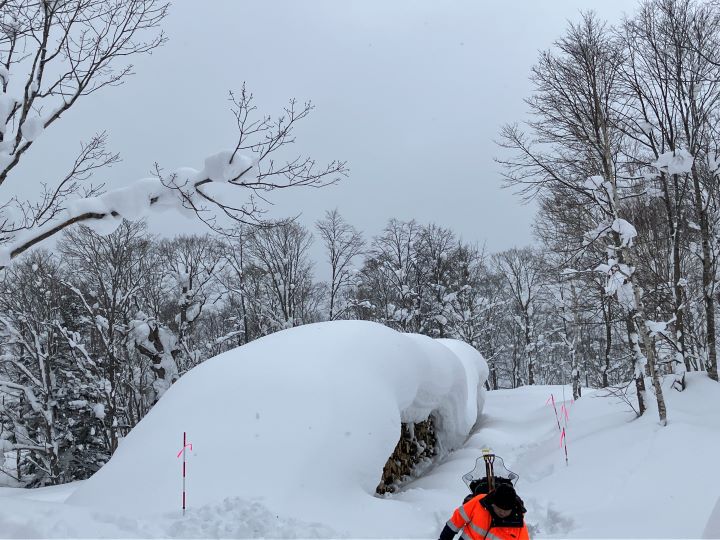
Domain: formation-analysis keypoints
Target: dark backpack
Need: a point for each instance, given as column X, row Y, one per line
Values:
column 482, row 487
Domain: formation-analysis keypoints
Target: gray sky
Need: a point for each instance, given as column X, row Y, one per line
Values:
column 410, row 93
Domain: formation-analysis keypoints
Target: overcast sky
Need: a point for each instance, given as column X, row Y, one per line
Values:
column 410, row 93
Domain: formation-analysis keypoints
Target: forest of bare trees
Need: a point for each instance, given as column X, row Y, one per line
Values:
column 620, row 151
column 620, row 154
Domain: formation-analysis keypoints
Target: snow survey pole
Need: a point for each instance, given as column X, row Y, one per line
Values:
column 184, row 462
column 489, row 458
column 563, row 434
column 565, row 415
column 557, row 418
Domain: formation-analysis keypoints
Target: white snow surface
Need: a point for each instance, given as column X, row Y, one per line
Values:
column 594, row 183
column 656, row 327
column 675, row 162
column 99, row 411
column 617, row 283
column 32, row 127
column 627, row 477
column 303, row 419
column 626, row 231
column 646, row 127
column 224, row 167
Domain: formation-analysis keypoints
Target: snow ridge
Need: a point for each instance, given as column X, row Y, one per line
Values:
column 303, row 420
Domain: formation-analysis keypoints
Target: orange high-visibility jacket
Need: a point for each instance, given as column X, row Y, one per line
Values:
column 475, row 522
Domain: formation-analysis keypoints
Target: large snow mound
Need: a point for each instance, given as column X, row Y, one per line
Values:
column 621, row 481
column 302, row 420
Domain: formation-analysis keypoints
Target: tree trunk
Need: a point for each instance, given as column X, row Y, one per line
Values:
column 707, row 277
column 608, row 341
column 649, row 346
column 637, row 312
column 640, row 389
column 531, row 375
column 638, row 365
column 333, row 291
column 575, row 372
column 673, row 209
column 577, row 392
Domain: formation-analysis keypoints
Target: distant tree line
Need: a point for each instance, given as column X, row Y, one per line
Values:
column 621, row 152
column 94, row 332
column 621, row 155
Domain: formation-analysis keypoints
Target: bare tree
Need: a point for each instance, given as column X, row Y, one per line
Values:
column 343, row 244
column 674, row 80
column 523, row 272
column 571, row 329
column 38, row 370
column 253, row 166
column 52, row 54
column 237, row 285
column 191, row 264
column 575, row 145
column 390, row 274
column 281, row 252
column 437, row 278
column 106, row 275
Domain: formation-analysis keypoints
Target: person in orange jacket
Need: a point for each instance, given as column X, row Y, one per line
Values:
column 495, row 516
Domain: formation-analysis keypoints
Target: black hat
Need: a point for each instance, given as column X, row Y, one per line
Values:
column 505, row 497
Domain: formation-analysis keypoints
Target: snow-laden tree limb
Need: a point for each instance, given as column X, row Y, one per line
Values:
column 207, row 193
column 54, row 53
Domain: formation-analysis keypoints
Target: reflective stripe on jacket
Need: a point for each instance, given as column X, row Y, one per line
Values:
column 475, row 522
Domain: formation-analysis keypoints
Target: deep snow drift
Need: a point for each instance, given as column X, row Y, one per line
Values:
column 626, row 477
column 302, row 420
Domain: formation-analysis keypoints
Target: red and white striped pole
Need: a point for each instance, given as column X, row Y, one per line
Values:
column 184, row 446
column 184, row 449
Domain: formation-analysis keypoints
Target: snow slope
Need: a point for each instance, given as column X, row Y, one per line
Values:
column 304, row 420
column 626, row 477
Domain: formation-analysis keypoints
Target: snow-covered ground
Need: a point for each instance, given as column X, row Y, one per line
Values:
column 626, row 477
column 296, row 448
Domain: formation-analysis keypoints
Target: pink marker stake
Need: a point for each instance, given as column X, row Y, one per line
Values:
column 182, row 452
column 563, row 444
column 557, row 419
